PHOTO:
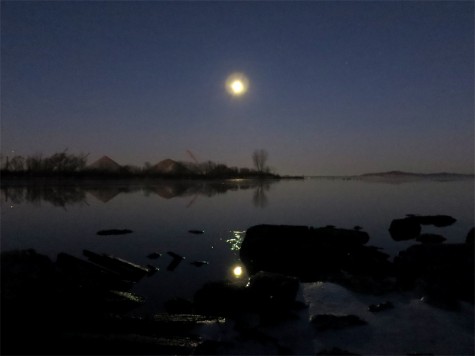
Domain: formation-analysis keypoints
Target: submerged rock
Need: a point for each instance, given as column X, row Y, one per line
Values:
column 199, row 263
column 174, row 264
column 196, row 232
column 175, row 256
column 154, row 255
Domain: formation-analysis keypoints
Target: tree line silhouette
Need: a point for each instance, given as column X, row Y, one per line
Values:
column 75, row 165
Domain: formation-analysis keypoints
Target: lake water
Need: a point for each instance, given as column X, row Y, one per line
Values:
column 66, row 217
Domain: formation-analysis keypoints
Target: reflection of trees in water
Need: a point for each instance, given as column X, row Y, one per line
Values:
column 169, row 190
column 53, row 194
column 13, row 195
column 260, row 198
column 62, row 195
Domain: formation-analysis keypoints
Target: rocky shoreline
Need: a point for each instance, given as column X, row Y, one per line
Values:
column 85, row 306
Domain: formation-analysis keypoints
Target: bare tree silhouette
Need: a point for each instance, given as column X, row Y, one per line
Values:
column 259, row 158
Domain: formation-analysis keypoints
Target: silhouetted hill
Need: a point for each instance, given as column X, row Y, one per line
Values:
column 400, row 175
column 104, row 163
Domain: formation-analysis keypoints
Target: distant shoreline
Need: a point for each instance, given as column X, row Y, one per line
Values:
column 402, row 176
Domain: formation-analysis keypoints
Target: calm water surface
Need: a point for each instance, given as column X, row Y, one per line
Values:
column 66, row 218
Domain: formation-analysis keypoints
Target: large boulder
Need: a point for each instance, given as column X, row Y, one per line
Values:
column 445, row 270
column 436, row 220
column 404, row 229
column 410, row 227
column 309, row 253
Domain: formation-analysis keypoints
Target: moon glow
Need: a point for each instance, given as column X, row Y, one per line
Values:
column 237, row 84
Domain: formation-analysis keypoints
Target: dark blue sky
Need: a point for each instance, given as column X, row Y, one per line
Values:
column 335, row 87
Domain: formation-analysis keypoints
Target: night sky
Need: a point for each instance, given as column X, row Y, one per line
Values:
column 334, row 87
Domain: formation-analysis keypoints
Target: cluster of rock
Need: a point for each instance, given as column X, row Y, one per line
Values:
column 444, row 271
column 83, row 306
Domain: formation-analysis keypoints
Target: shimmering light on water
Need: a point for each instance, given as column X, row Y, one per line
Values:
column 236, row 240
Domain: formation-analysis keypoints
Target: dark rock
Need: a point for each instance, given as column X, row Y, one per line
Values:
column 404, row 229
column 44, row 302
column 440, row 299
column 88, row 274
column 272, row 290
column 435, row 220
column 221, row 298
column 175, row 255
column 126, row 269
column 24, row 273
column 114, row 232
column 154, row 255
column 152, row 270
column 174, row 264
column 430, row 238
column 199, row 263
column 446, row 270
column 324, row 322
column 310, row 253
column 375, row 308
column 196, row 232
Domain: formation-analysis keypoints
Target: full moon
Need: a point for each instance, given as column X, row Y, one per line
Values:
column 237, row 84
column 237, row 87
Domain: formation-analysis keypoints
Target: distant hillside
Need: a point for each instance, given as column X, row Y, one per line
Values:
column 104, row 163
column 399, row 175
